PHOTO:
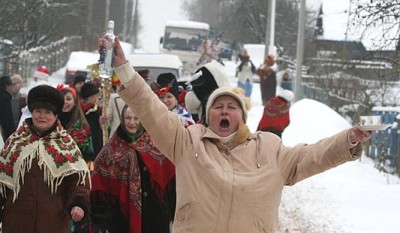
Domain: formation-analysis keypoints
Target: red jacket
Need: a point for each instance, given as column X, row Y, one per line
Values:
column 275, row 116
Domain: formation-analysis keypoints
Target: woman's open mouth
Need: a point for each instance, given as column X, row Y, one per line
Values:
column 224, row 123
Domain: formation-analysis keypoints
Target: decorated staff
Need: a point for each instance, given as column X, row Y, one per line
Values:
column 106, row 71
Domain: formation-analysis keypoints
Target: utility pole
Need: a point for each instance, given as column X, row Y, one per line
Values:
column 271, row 47
column 268, row 27
column 300, row 50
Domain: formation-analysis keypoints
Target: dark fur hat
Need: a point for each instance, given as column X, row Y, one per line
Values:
column 89, row 89
column 167, row 83
column 5, row 81
column 79, row 78
column 45, row 96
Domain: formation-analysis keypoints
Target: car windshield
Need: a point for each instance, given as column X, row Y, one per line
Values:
column 151, row 73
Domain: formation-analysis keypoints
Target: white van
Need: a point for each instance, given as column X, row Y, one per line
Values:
column 156, row 64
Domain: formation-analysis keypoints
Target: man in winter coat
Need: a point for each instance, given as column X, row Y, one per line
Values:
column 227, row 178
column 18, row 101
column 7, row 126
column 267, row 74
column 40, row 77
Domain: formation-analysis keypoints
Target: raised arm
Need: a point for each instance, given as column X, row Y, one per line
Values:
column 164, row 126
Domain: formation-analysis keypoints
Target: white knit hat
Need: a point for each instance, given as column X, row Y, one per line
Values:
column 41, row 73
column 286, row 94
column 226, row 91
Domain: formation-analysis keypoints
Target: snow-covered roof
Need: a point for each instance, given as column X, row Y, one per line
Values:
column 187, row 24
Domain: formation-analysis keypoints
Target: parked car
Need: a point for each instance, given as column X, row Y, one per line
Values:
column 77, row 64
column 226, row 51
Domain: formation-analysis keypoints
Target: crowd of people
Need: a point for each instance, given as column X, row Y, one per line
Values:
column 178, row 159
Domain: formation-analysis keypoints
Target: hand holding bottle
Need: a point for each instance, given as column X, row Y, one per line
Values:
column 119, row 55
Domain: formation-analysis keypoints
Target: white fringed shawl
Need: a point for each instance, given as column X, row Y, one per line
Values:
column 57, row 154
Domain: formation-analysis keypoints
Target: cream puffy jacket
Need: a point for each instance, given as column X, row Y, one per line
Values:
column 228, row 189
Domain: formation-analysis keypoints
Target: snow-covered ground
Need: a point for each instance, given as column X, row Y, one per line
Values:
column 352, row 198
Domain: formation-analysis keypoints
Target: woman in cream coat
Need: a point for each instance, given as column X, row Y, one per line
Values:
column 227, row 178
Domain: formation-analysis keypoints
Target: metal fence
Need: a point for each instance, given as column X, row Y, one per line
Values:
column 54, row 56
column 384, row 144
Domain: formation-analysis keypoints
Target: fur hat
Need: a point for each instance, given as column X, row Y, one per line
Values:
column 45, row 96
column 5, row 81
column 41, row 73
column 79, row 78
column 286, row 95
column 209, row 77
column 89, row 89
column 167, row 83
column 244, row 105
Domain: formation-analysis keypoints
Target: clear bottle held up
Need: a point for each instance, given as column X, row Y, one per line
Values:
column 107, row 52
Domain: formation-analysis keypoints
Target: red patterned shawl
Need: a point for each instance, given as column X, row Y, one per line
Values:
column 116, row 173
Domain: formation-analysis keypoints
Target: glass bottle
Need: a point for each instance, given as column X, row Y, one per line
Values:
column 107, row 52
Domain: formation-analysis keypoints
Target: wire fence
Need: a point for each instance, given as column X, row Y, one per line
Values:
column 54, row 56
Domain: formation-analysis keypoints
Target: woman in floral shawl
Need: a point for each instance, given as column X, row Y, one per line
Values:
column 133, row 183
column 43, row 179
column 74, row 121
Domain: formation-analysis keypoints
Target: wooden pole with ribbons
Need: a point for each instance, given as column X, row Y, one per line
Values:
column 106, row 90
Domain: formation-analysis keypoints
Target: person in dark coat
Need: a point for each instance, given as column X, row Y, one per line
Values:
column 267, row 74
column 7, row 126
column 276, row 113
column 44, row 180
column 89, row 105
column 133, row 184
column 18, row 101
column 78, row 82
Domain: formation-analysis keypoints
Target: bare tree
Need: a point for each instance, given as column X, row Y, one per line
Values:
column 376, row 19
column 31, row 23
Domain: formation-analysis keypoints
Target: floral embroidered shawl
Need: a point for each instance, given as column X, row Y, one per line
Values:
column 116, row 173
column 57, row 154
column 81, row 135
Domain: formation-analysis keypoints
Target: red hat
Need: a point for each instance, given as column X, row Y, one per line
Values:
column 41, row 72
column 182, row 95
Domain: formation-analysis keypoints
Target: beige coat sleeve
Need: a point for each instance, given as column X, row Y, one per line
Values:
column 304, row 160
column 164, row 126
